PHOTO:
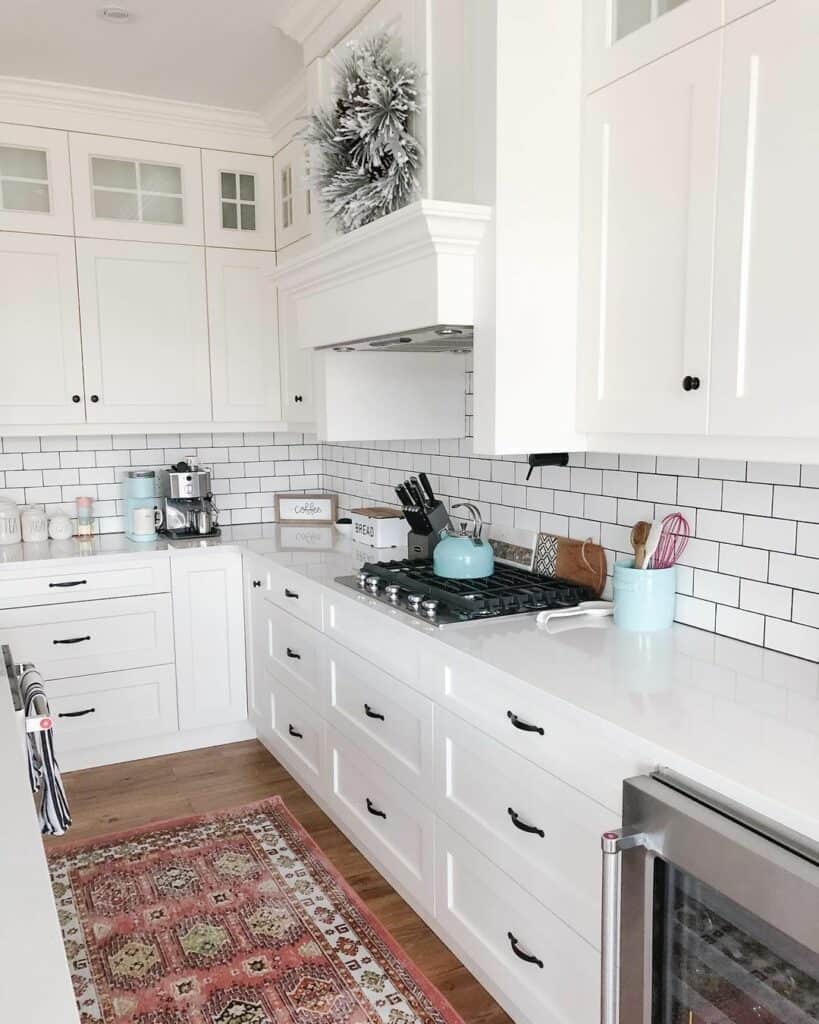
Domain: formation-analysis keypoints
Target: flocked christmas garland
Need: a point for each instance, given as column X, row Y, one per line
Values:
column 365, row 161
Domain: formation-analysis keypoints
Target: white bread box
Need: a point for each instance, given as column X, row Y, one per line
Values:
column 379, row 527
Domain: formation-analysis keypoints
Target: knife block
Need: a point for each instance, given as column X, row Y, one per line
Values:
column 421, row 544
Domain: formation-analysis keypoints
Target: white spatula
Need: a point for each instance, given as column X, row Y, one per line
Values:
column 595, row 608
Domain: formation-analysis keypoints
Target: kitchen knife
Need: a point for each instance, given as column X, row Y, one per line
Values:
column 415, row 490
column 425, row 502
column 427, row 487
column 404, row 496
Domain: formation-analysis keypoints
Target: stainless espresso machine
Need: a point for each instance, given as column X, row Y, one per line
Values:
column 187, row 502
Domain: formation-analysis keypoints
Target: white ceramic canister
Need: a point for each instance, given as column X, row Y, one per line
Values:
column 9, row 524
column 60, row 526
column 34, row 524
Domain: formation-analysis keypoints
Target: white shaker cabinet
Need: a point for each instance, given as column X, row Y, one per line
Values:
column 35, row 184
column 244, row 350
column 145, row 332
column 210, row 637
column 298, row 390
column 145, row 191
column 40, row 350
column 239, row 200
column 293, row 197
column 650, row 178
column 765, row 353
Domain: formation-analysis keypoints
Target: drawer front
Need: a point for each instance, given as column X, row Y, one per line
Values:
column 98, row 636
column 391, row 723
column 298, row 732
column 527, row 722
column 390, row 645
column 25, row 585
column 294, row 593
column 386, row 819
column 480, row 907
column 291, row 650
column 112, row 707
column 538, row 829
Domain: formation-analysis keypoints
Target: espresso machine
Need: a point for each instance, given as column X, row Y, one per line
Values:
column 187, row 502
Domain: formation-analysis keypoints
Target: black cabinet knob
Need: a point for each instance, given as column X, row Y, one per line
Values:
column 75, row 398
column 298, row 398
column 691, row 383
column 95, row 398
column 257, row 583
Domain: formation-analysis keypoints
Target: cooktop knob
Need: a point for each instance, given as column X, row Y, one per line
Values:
column 414, row 601
column 372, row 583
column 392, row 590
column 429, row 608
column 362, row 578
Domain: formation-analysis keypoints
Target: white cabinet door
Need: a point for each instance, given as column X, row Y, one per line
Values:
column 765, row 355
column 239, row 200
column 298, row 391
column 244, row 348
column 293, row 197
column 650, row 176
column 145, row 191
column 40, row 350
column 620, row 36
column 145, row 332
column 210, row 637
column 35, row 181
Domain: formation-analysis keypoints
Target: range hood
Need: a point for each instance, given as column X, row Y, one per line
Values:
column 404, row 283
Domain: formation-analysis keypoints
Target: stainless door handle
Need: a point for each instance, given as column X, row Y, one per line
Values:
column 613, row 844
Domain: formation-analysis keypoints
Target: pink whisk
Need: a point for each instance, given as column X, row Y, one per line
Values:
column 673, row 541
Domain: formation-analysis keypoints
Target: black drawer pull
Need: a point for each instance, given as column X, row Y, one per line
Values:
column 526, row 957
column 374, row 810
column 290, row 593
column 531, row 829
column 293, row 654
column 69, row 583
column 76, row 714
column 524, row 726
column 72, row 640
column 368, row 711
column 296, row 733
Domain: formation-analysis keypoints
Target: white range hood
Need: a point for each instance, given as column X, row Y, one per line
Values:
column 405, row 282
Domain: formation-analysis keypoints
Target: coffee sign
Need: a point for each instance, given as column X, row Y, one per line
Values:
column 305, row 508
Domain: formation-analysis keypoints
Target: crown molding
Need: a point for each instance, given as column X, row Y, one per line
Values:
column 281, row 114
column 129, row 115
column 303, row 17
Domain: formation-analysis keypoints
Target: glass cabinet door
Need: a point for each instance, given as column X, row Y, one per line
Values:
column 293, row 199
column 239, row 200
column 35, row 190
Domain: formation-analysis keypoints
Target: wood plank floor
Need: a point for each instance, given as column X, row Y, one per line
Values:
column 123, row 796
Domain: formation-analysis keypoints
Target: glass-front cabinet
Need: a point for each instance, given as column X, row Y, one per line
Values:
column 239, row 200
column 136, row 191
column 34, row 181
column 293, row 198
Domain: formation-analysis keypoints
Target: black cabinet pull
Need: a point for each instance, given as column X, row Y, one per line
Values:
column 76, row 714
column 75, row 398
column 290, row 593
column 526, row 957
column 295, row 732
column 293, row 654
column 72, row 640
column 691, row 383
column 95, row 398
column 69, row 583
column 368, row 711
column 257, row 583
column 298, row 398
column 531, row 829
column 374, row 810
column 524, row 726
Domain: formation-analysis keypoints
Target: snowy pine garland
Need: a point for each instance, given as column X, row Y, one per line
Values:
column 365, row 161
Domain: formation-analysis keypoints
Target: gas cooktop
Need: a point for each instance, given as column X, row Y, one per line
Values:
column 413, row 587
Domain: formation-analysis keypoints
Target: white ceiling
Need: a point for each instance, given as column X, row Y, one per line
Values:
column 223, row 53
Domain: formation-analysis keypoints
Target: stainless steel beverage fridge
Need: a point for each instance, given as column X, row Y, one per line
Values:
column 710, row 912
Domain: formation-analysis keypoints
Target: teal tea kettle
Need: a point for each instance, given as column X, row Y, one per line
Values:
column 464, row 556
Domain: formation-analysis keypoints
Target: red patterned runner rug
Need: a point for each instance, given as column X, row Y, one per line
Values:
column 228, row 918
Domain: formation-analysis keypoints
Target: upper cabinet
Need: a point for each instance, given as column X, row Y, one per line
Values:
column 293, row 197
column 35, row 193
column 141, row 191
column 145, row 332
column 648, row 223
column 239, row 200
column 766, row 322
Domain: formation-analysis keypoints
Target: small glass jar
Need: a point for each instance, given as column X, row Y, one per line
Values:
column 34, row 524
column 59, row 526
column 9, row 524
column 85, row 517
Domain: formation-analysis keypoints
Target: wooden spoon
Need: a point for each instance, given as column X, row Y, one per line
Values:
column 639, row 536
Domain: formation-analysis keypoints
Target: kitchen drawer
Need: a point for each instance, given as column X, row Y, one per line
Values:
column 530, row 723
column 294, row 593
column 488, row 915
column 291, row 650
column 298, row 732
column 113, row 706
column 95, row 636
column 482, row 789
column 387, row 820
column 25, row 584
column 370, row 632
column 391, row 723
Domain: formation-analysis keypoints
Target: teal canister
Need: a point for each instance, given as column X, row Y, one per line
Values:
column 645, row 600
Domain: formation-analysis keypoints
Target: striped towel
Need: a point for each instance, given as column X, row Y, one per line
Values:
column 43, row 770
